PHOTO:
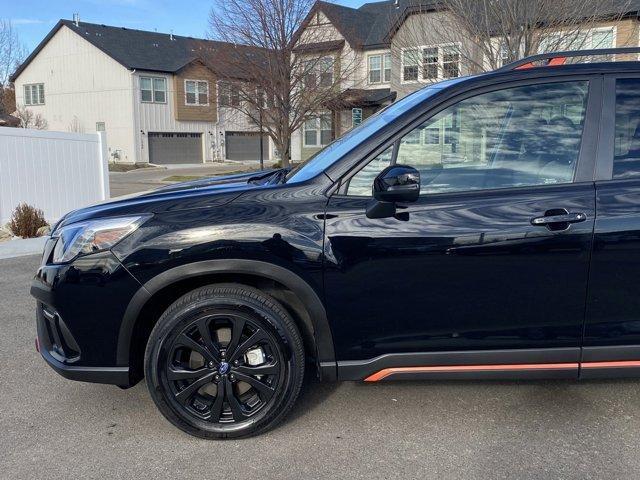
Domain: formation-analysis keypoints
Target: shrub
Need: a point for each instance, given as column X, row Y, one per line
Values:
column 26, row 220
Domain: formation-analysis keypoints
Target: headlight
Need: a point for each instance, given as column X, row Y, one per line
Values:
column 93, row 236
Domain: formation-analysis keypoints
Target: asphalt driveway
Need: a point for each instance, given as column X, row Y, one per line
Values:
column 54, row 428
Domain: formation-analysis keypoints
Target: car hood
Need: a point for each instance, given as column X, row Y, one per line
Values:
column 241, row 178
column 202, row 193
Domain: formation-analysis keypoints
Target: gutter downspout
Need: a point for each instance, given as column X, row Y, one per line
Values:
column 137, row 143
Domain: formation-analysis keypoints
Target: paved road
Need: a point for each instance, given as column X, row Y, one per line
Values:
column 124, row 183
column 53, row 428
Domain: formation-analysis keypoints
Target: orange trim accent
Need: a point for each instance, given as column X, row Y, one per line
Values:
column 615, row 364
column 525, row 66
column 382, row 374
column 556, row 61
column 553, row 62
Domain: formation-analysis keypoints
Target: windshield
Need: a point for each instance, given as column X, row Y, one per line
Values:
column 350, row 140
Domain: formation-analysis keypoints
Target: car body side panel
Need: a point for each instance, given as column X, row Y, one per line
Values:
column 613, row 307
column 283, row 226
column 274, row 233
column 462, row 272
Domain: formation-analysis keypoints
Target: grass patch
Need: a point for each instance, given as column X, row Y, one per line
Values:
column 127, row 167
column 188, row 178
column 183, row 178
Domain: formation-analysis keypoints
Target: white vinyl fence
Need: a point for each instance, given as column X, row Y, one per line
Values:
column 53, row 171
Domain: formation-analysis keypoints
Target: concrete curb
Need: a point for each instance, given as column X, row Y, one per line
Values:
column 22, row 247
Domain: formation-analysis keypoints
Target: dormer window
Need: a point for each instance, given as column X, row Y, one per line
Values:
column 196, row 92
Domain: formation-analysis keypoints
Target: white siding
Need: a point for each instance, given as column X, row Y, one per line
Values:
column 160, row 117
column 81, row 81
column 53, row 171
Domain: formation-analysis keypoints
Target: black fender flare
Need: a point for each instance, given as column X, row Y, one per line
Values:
column 319, row 327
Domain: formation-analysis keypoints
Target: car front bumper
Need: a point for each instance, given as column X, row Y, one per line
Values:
column 52, row 354
column 79, row 313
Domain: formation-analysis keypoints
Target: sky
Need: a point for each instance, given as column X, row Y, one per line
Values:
column 32, row 19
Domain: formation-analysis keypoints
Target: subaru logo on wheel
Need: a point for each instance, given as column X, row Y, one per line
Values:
column 223, row 368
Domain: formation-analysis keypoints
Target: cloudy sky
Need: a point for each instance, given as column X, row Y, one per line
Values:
column 34, row 18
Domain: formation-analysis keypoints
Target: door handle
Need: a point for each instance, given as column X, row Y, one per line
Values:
column 558, row 219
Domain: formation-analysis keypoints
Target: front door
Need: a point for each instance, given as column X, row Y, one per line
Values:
column 494, row 256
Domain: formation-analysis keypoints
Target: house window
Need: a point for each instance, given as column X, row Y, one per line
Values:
column 228, row 96
column 430, row 63
column 100, row 127
column 450, row 62
column 380, row 68
column 34, row 94
column 410, row 65
column 386, row 63
column 263, row 100
column 375, row 69
column 196, row 92
column 318, row 131
column 319, row 72
column 582, row 40
column 602, row 38
column 153, row 89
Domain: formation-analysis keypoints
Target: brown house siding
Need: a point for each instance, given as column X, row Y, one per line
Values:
column 209, row 113
column 626, row 36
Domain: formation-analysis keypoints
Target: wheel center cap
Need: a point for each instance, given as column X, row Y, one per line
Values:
column 223, row 367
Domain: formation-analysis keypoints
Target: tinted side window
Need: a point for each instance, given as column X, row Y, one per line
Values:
column 519, row 136
column 626, row 161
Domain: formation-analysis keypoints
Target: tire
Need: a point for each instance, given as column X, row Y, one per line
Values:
column 200, row 375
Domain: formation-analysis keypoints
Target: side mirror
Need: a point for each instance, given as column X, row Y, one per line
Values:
column 395, row 184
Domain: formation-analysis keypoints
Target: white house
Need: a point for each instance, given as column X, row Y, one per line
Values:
column 150, row 92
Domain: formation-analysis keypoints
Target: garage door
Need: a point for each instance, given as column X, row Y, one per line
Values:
column 168, row 148
column 245, row 146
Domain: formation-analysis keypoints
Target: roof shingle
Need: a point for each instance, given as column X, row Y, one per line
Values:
column 143, row 50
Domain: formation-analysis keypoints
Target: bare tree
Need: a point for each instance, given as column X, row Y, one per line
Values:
column 30, row 120
column 12, row 53
column 7, row 99
column 275, row 76
column 485, row 34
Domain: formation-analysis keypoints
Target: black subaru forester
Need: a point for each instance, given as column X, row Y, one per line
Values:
column 482, row 227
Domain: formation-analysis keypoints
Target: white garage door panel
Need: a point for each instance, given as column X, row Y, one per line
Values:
column 170, row 148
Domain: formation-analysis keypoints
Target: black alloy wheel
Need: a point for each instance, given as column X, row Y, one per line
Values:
column 224, row 361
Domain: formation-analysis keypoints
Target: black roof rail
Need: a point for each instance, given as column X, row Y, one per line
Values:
column 558, row 58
